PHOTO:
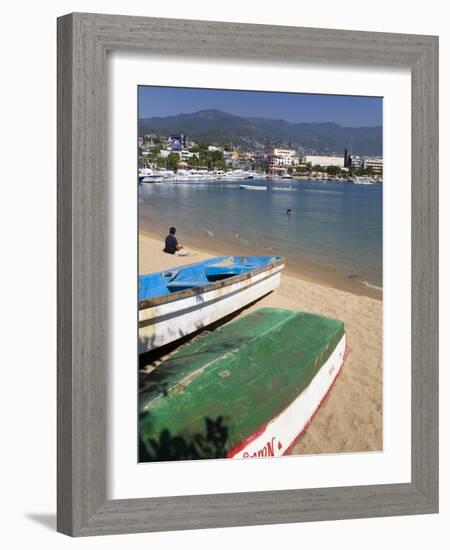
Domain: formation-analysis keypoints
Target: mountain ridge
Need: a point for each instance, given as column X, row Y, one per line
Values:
column 219, row 127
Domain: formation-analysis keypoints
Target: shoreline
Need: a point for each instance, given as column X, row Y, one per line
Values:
column 303, row 269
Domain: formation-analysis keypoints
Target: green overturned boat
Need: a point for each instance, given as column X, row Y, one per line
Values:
column 248, row 389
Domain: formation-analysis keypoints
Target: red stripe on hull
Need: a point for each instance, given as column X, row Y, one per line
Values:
column 306, row 426
column 241, row 446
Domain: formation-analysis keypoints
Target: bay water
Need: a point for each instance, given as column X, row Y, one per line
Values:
column 335, row 225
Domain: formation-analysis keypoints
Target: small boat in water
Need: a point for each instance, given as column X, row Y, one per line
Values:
column 362, row 181
column 253, row 187
column 183, row 300
column 247, row 390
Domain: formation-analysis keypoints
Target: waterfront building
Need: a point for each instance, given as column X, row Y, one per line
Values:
column 282, row 157
column 355, row 161
column 375, row 163
column 185, row 155
column 278, row 160
column 322, row 160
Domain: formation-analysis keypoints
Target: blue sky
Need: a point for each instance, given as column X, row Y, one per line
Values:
column 344, row 110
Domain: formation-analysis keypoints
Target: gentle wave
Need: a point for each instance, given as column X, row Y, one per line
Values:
column 370, row 285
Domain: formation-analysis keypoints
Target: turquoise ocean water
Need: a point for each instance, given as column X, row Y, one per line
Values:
column 337, row 225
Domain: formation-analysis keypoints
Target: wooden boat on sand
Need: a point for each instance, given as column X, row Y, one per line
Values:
column 183, row 300
column 248, row 389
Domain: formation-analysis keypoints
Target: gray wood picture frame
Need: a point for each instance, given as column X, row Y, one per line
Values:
column 83, row 41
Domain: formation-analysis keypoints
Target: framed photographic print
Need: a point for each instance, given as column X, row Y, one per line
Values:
column 247, row 274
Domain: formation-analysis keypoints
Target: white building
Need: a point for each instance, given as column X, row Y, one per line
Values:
column 375, row 163
column 184, row 155
column 280, row 158
column 319, row 160
column 356, row 161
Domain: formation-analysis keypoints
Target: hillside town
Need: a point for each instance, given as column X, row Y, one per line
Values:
column 177, row 157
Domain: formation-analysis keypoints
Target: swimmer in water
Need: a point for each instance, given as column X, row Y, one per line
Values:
column 289, row 211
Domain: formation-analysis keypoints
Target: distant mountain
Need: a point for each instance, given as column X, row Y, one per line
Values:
column 218, row 127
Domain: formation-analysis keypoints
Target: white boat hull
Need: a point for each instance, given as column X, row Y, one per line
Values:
column 167, row 322
column 253, row 187
column 280, row 434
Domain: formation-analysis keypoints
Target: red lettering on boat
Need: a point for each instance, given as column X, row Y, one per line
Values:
column 268, row 449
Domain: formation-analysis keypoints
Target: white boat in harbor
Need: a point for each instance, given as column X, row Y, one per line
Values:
column 153, row 175
column 148, row 175
column 253, row 187
column 193, row 175
column 238, row 175
column 363, row 181
column 183, row 300
column 145, row 173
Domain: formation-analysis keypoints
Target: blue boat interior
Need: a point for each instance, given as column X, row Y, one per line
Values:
column 200, row 274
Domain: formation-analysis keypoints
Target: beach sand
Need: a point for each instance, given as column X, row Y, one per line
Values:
column 350, row 419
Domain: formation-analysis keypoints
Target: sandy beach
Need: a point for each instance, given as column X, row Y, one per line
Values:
column 350, row 419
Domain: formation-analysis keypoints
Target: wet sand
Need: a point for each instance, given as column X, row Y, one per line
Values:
column 350, row 419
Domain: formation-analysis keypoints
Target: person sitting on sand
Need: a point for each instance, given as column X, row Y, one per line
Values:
column 172, row 246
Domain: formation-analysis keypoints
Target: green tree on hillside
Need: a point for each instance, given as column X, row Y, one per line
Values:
column 172, row 161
